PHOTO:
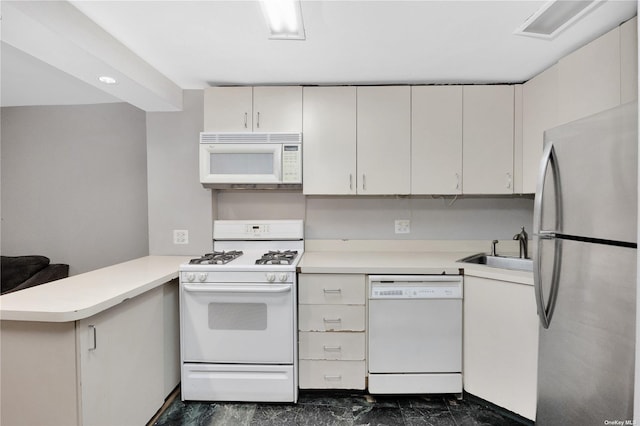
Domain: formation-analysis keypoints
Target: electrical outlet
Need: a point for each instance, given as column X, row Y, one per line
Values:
column 180, row 236
column 403, row 226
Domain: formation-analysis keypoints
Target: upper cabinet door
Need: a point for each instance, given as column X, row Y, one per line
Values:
column 629, row 61
column 589, row 78
column 384, row 140
column 539, row 113
column 436, row 140
column 253, row 109
column 228, row 109
column 277, row 109
column 487, row 153
column 329, row 147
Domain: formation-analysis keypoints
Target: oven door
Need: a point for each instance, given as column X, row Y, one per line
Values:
column 241, row 163
column 237, row 323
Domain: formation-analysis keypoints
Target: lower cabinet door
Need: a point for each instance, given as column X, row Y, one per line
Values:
column 332, row 346
column 122, row 362
column 331, row 317
column 315, row 374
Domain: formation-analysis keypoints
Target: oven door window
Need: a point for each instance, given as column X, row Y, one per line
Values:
column 237, row 323
column 237, row 316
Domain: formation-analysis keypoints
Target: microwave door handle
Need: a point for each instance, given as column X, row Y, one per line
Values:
column 549, row 158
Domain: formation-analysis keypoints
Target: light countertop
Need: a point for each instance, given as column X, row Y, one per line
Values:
column 374, row 257
column 81, row 296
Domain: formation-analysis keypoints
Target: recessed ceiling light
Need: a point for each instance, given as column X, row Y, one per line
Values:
column 107, row 80
column 556, row 16
column 284, row 19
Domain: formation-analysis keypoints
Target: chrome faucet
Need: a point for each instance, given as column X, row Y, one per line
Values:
column 523, row 238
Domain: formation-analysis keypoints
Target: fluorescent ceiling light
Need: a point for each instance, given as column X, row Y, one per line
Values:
column 556, row 16
column 107, row 79
column 284, row 19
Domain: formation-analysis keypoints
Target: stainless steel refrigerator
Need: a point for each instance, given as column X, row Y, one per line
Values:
column 585, row 221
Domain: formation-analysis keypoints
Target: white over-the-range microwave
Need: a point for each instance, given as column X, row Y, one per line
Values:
column 248, row 160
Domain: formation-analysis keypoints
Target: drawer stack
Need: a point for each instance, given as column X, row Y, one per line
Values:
column 331, row 326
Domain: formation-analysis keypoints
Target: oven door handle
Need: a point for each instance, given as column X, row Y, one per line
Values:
column 208, row 288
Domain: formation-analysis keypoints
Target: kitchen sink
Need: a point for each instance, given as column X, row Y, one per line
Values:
column 504, row 262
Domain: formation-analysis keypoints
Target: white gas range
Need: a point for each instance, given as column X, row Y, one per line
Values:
column 238, row 317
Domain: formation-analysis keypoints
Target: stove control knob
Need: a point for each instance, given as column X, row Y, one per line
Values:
column 283, row 277
column 202, row 276
column 271, row 277
column 190, row 276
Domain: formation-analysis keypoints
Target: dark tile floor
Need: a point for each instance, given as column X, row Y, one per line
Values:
column 342, row 408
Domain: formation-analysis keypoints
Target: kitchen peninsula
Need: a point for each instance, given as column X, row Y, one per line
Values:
column 95, row 348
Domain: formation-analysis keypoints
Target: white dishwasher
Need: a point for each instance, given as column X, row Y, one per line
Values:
column 415, row 333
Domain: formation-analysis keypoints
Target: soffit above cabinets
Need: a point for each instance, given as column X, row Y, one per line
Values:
column 163, row 47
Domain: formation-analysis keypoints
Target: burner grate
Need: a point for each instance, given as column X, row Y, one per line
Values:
column 217, row 258
column 277, row 258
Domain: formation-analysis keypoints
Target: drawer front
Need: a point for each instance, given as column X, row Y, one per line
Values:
column 329, row 289
column 331, row 317
column 332, row 374
column 331, row 346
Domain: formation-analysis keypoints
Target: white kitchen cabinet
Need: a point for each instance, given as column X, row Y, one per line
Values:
column 258, row 109
column 539, row 113
column 487, row 154
column 277, row 109
column 436, row 140
column 384, row 140
column 329, row 129
column 122, row 363
column 56, row 373
column 629, row 61
column 501, row 343
column 589, row 78
column 332, row 374
column 228, row 109
column 331, row 324
column 517, row 138
column 332, row 346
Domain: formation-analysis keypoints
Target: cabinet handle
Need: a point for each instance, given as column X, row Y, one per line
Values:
column 350, row 182
column 95, row 338
column 245, row 119
column 332, row 348
column 457, row 180
column 364, row 183
column 337, row 320
column 332, row 290
column 258, row 120
column 336, row 377
column 509, row 180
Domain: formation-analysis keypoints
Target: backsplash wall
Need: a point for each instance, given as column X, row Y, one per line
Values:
column 344, row 217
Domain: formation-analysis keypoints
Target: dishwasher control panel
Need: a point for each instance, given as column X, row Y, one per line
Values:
column 415, row 287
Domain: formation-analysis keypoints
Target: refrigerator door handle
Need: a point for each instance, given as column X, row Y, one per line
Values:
column 548, row 159
column 545, row 308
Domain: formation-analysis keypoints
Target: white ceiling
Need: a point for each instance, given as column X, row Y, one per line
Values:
column 52, row 52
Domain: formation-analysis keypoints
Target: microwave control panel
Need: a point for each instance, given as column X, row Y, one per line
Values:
column 291, row 163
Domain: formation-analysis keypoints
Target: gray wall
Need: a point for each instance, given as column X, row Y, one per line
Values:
column 176, row 198
column 74, row 184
